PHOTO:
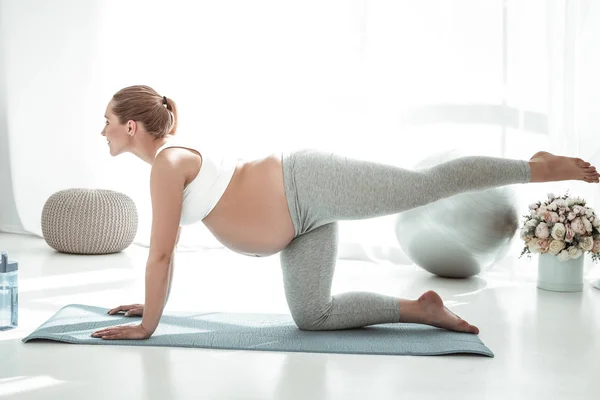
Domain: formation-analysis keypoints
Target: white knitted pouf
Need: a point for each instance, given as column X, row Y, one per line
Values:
column 89, row 221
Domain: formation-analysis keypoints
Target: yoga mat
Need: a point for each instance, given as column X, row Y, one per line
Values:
column 267, row 332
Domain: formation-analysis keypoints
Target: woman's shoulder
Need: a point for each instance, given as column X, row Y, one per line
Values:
column 180, row 157
column 176, row 148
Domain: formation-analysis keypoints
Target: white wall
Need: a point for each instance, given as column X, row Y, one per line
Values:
column 9, row 219
column 46, row 72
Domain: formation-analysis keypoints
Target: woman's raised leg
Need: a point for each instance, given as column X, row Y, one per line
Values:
column 326, row 187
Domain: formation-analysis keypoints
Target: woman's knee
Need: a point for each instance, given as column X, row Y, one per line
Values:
column 310, row 320
column 308, row 325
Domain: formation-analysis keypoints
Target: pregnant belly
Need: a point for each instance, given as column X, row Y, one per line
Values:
column 252, row 217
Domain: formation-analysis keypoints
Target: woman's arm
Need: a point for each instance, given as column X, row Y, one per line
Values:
column 167, row 182
column 172, row 265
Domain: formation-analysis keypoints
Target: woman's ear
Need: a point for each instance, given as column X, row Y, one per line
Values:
column 131, row 127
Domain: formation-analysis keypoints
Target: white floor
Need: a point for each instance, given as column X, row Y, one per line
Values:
column 546, row 344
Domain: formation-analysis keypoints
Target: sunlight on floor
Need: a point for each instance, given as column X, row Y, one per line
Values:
column 20, row 384
column 106, row 276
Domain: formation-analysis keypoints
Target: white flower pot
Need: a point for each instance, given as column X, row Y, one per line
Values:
column 560, row 276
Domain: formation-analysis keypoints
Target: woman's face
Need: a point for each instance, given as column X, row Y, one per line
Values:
column 115, row 133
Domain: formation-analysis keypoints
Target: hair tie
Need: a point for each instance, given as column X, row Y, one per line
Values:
column 165, row 100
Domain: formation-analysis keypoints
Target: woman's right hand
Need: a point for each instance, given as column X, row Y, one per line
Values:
column 131, row 310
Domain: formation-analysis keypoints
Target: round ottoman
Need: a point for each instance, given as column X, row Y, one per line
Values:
column 89, row 221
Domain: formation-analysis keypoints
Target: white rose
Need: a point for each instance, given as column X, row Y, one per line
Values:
column 571, row 216
column 578, row 226
column 552, row 206
column 563, row 255
column 533, row 246
column 587, row 225
column 552, row 217
column 596, row 222
column 589, row 212
column 569, row 233
column 532, row 223
column 542, row 231
column 561, row 203
column 587, row 243
column 538, row 245
column 574, row 252
column 561, row 219
column 556, row 246
column 558, row 231
column 596, row 248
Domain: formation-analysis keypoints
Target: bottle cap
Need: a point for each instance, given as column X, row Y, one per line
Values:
column 6, row 266
column 3, row 261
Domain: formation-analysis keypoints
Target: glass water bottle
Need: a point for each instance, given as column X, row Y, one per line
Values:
column 9, row 293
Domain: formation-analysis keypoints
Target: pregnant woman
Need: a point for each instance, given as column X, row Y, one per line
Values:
column 290, row 203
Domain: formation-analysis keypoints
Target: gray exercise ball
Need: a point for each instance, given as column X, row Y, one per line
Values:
column 462, row 235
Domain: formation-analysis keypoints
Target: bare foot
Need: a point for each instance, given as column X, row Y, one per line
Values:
column 429, row 309
column 547, row 167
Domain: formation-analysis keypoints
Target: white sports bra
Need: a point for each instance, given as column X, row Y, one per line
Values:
column 203, row 193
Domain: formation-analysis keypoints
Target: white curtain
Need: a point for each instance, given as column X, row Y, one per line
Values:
column 389, row 81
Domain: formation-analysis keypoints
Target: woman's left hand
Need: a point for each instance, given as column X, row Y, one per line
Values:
column 135, row 332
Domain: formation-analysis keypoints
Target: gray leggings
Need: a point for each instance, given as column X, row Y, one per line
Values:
column 323, row 188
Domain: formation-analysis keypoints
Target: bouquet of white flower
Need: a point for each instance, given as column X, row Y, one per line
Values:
column 561, row 226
